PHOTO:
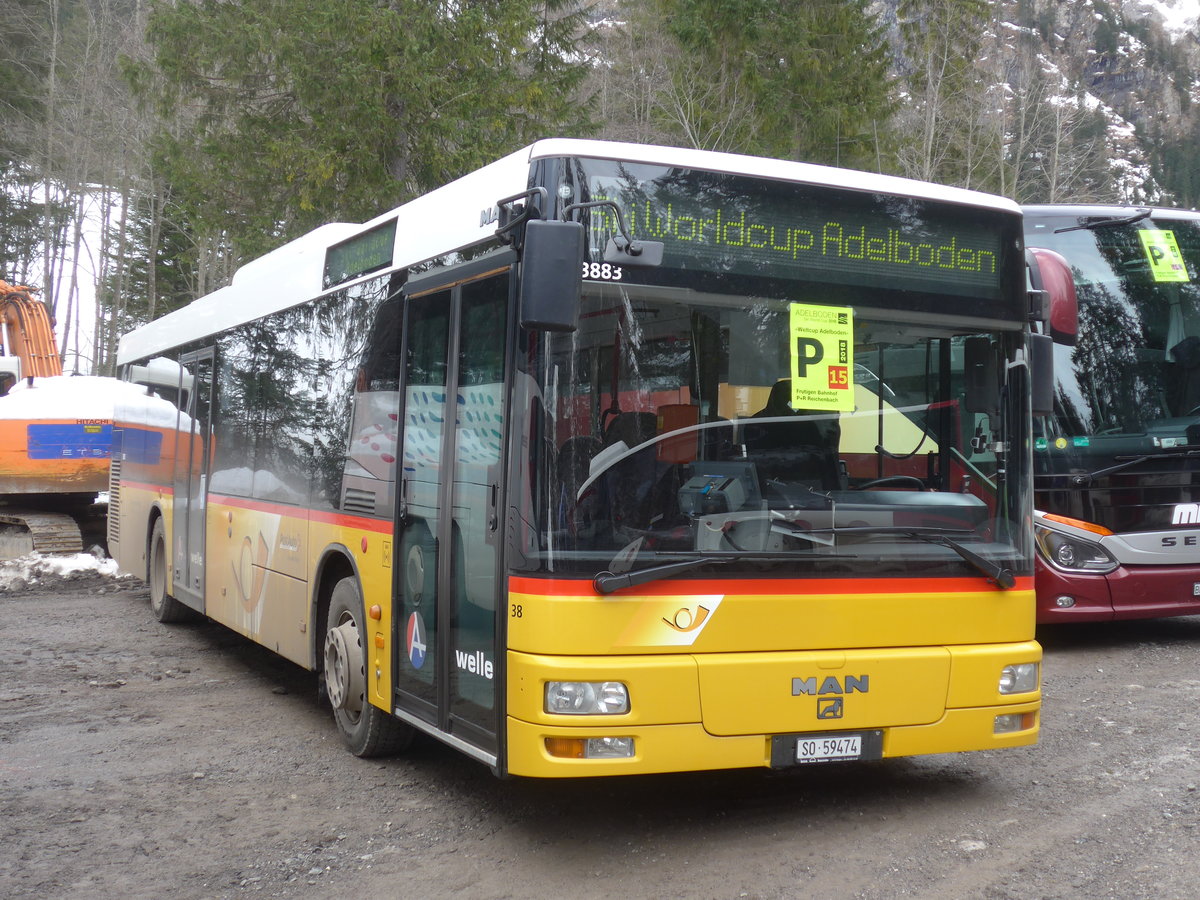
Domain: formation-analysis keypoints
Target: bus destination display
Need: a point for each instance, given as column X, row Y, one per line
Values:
column 363, row 253
column 780, row 230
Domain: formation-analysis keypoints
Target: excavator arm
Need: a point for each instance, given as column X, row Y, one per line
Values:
column 27, row 332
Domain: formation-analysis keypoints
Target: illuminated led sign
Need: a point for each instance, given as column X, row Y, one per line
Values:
column 785, row 231
column 363, row 253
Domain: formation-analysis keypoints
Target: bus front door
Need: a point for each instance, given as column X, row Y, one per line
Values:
column 193, row 446
column 448, row 536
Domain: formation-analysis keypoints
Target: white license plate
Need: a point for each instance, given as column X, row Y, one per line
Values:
column 825, row 749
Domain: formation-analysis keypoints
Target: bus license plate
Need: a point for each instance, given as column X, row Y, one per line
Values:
column 828, row 749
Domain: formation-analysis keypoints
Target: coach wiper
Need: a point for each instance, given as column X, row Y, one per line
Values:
column 1128, row 462
column 1106, row 223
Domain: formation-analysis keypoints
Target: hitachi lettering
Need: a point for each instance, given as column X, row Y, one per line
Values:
column 475, row 663
column 831, row 685
column 1186, row 514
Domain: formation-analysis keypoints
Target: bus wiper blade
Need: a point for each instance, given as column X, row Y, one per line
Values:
column 607, row 582
column 1107, row 223
column 1001, row 575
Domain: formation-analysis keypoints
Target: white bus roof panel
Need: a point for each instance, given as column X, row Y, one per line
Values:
column 762, row 167
column 449, row 218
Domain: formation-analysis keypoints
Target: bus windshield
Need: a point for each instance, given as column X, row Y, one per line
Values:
column 1131, row 382
column 675, row 436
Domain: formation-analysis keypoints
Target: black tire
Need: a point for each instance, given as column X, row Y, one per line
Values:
column 366, row 729
column 165, row 607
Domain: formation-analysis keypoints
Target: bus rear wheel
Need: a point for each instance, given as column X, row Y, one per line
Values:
column 366, row 729
column 165, row 607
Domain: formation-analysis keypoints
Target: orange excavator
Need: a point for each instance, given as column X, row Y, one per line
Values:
column 55, row 433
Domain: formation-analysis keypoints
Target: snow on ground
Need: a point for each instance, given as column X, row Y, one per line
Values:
column 36, row 568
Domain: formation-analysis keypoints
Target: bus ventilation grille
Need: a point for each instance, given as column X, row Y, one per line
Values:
column 114, row 500
column 359, row 501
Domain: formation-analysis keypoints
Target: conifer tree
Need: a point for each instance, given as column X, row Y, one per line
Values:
column 800, row 79
column 298, row 112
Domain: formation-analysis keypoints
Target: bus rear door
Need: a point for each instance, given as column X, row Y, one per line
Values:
column 193, row 448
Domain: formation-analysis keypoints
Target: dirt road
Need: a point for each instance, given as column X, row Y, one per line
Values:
column 144, row 761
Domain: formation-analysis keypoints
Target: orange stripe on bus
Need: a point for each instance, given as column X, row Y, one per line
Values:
column 383, row 526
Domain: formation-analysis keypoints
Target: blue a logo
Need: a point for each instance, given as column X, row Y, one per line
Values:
column 415, row 640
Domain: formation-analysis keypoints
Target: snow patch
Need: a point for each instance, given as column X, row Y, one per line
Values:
column 33, row 568
column 1177, row 16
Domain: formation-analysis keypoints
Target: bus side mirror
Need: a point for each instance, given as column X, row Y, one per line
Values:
column 551, row 275
column 982, row 393
column 1049, row 272
column 1041, row 374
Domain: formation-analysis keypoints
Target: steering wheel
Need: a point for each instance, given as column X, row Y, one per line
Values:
column 894, row 479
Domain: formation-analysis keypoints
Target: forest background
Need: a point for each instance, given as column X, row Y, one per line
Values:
column 150, row 147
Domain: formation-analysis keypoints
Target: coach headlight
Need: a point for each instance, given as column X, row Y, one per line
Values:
column 1073, row 553
column 587, row 698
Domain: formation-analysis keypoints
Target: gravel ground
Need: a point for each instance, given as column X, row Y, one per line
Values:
column 144, row 761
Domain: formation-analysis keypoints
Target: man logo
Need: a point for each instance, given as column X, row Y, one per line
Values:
column 829, row 707
column 1186, row 514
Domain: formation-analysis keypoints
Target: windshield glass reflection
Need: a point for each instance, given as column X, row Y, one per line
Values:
column 676, row 434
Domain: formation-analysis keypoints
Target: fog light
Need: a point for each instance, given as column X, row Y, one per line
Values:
column 590, row 748
column 1020, row 678
column 1064, row 601
column 587, row 698
column 1008, row 723
column 609, row 748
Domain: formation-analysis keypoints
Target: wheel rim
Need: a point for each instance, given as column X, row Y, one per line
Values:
column 345, row 681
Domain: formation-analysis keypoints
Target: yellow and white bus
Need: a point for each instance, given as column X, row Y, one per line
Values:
column 612, row 459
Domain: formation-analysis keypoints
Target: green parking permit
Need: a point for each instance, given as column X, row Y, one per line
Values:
column 1166, row 262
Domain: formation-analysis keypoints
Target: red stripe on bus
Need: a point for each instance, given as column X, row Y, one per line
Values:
column 899, row 585
column 146, row 486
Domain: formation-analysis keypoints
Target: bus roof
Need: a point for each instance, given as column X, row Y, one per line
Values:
column 456, row 216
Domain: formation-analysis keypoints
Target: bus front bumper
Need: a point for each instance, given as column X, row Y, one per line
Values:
column 688, row 747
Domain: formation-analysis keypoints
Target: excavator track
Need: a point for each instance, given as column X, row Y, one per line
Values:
column 52, row 532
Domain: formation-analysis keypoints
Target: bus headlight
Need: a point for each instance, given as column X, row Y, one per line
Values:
column 1020, row 678
column 1072, row 554
column 587, row 698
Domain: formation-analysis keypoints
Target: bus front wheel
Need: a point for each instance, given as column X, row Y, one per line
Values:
column 165, row 607
column 366, row 729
